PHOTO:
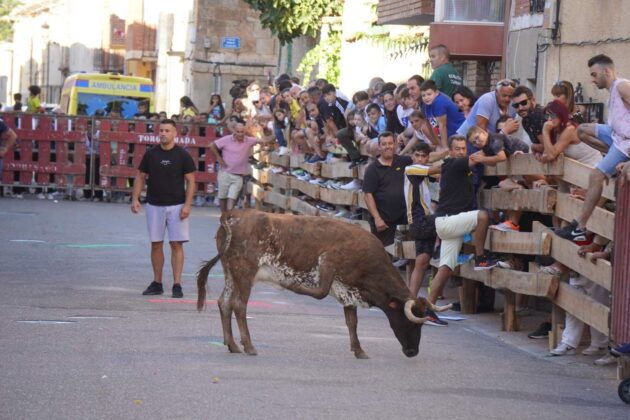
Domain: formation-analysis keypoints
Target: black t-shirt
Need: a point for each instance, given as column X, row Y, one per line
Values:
column 456, row 188
column 166, row 170
column 533, row 123
column 335, row 110
column 498, row 142
column 387, row 185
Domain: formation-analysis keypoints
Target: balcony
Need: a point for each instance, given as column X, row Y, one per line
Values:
column 405, row 12
column 471, row 29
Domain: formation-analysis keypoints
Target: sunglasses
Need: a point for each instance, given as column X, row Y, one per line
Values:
column 506, row 83
column 517, row 105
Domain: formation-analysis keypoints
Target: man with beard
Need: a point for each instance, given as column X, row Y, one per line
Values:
column 171, row 185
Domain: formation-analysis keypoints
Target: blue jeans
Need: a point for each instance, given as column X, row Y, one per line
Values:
column 280, row 137
column 614, row 155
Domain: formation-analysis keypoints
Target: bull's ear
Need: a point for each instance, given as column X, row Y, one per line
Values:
column 393, row 303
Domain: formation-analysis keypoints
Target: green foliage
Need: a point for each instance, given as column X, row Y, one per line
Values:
column 327, row 55
column 6, row 27
column 289, row 19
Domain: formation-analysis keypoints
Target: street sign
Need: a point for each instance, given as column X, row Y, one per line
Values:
column 231, row 42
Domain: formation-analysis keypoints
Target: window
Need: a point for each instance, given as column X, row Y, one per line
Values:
column 89, row 103
column 472, row 10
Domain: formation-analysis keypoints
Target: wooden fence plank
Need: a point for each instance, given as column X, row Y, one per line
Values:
column 527, row 243
column 337, row 170
column 583, row 307
column 541, row 200
column 577, row 173
column 531, row 284
column 525, row 164
column 565, row 252
column 601, row 221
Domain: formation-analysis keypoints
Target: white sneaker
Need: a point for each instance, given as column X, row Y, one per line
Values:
column 41, row 196
column 595, row 351
column 317, row 181
column 342, row 213
column 563, row 350
column 606, row 360
column 352, row 185
column 283, row 151
column 276, row 169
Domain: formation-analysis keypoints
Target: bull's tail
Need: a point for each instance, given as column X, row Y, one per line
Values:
column 224, row 237
column 202, row 280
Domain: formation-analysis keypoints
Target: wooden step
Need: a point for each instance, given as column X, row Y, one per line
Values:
column 312, row 190
column 337, row 169
column 279, row 160
column 279, row 180
column 601, row 221
column 302, row 207
column 341, row 197
column 541, row 200
column 525, row 164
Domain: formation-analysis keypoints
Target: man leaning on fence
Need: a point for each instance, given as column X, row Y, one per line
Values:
column 170, row 188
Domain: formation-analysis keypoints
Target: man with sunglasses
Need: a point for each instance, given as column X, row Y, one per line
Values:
column 490, row 107
column 532, row 114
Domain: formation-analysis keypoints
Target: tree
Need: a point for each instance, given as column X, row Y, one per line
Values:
column 6, row 26
column 288, row 19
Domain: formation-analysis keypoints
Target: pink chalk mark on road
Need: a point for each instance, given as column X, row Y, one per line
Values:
column 250, row 304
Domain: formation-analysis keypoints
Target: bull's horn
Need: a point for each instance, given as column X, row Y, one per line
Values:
column 410, row 316
column 440, row 308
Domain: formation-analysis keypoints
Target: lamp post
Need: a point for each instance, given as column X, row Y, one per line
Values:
column 46, row 29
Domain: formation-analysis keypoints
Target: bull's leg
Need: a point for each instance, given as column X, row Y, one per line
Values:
column 225, row 309
column 240, row 309
column 351, row 321
column 326, row 277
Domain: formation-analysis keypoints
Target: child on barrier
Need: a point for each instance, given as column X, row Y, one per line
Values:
column 420, row 213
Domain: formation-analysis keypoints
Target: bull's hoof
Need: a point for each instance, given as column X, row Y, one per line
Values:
column 360, row 354
column 251, row 351
column 234, row 348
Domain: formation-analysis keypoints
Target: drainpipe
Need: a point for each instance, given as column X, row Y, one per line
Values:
column 506, row 32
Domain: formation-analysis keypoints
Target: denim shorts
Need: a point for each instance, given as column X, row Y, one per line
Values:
column 614, row 156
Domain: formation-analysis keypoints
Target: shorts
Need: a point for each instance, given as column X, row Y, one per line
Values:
column 167, row 218
column 424, row 243
column 614, row 156
column 451, row 230
column 229, row 185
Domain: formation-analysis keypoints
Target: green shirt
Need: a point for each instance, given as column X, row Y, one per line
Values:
column 33, row 104
column 446, row 78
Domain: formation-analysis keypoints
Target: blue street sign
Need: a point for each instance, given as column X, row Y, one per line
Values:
column 231, row 42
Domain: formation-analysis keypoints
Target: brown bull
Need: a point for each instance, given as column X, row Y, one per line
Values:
column 313, row 256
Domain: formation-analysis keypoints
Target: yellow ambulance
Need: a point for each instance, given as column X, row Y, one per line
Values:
column 105, row 94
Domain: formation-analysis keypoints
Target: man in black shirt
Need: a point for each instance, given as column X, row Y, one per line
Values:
column 171, row 185
column 455, row 217
column 532, row 114
column 383, row 186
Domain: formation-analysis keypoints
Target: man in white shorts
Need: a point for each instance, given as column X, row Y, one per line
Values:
column 170, row 189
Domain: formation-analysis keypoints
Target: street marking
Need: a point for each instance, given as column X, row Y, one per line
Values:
column 45, row 321
column 33, row 241
column 93, row 317
column 98, row 245
column 17, row 213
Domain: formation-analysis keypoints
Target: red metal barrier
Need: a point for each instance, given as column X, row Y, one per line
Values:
column 620, row 310
column 122, row 144
column 50, row 151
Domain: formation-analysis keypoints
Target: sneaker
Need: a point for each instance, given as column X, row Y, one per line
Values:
column 595, row 351
column 485, row 262
column 563, row 350
column 41, row 196
column 276, row 169
column 606, row 360
column 177, row 291
column 551, row 269
column 315, row 159
column 457, row 307
column 541, row 332
column 464, row 258
column 283, row 151
column 506, row 226
column 342, row 213
column 434, row 320
column 154, row 289
column 317, row 181
column 576, row 234
column 352, row 185
column 400, row 263
column 325, row 206
column 621, row 350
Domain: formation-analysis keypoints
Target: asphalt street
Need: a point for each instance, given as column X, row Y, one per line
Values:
column 79, row 341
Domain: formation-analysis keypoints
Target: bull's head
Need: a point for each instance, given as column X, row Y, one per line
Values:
column 406, row 320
